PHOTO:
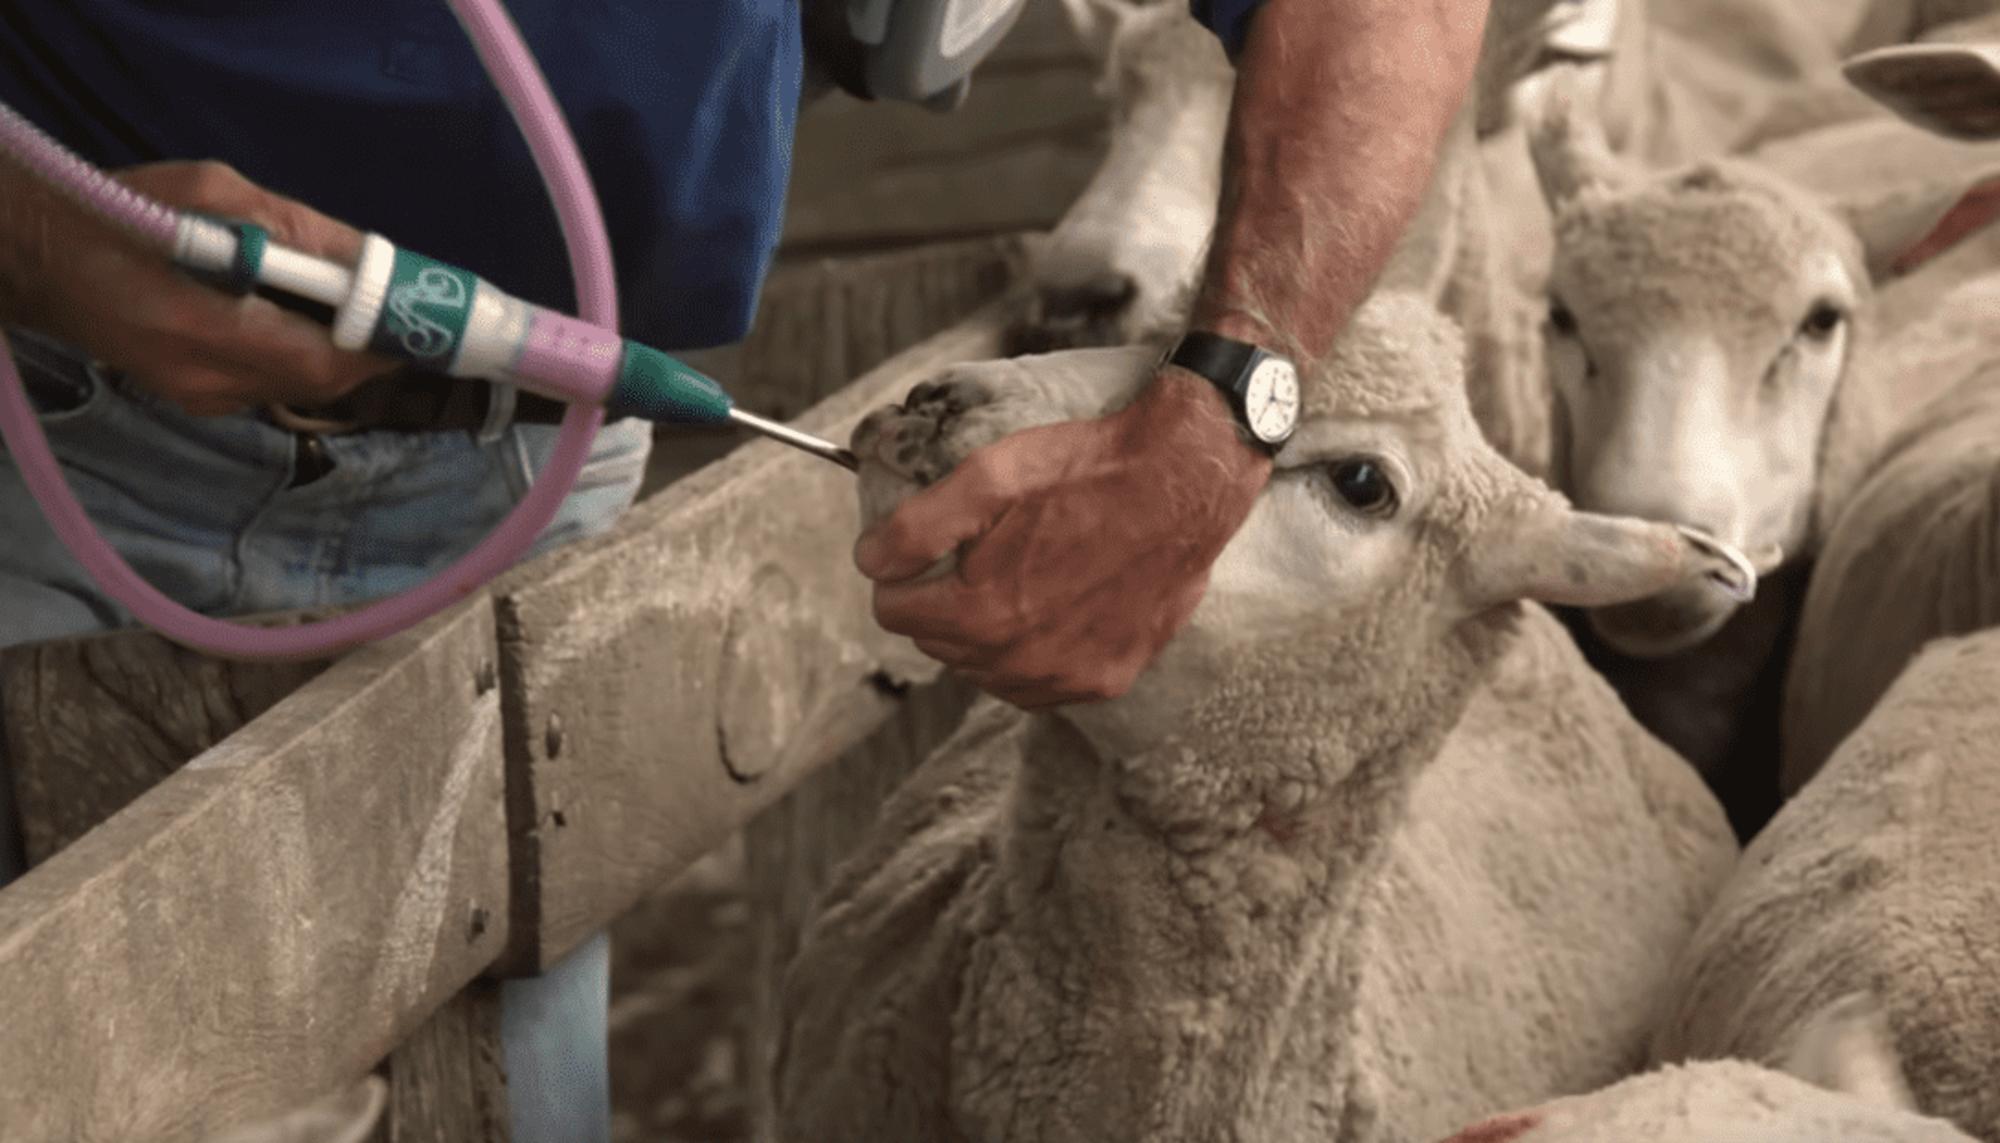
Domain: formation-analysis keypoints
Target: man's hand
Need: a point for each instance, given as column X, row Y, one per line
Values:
column 65, row 274
column 1086, row 544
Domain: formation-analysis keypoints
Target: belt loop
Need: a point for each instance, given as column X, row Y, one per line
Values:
column 499, row 412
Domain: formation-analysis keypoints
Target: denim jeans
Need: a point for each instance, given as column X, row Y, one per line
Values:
column 210, row 510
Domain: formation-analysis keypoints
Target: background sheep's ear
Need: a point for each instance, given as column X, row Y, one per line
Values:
column 1951, row 89
column 1904, row 228
column 1847, row 1047
column 1567, row 144
column 1098, row 22
column 347, row 1116
column 1582, row 29
column 1553, row 554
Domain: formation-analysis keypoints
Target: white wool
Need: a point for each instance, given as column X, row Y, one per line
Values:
column 1726, row 1101
column 1878, row 876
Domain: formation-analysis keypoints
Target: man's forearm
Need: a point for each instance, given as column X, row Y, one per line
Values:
column 1340, row 108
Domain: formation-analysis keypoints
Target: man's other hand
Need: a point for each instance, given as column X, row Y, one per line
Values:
column 64, row 273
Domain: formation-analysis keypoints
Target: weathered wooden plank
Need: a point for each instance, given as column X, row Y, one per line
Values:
column 448, row 1083
column 667, row 682
column 266, row 924
column 93, row 723
column 1013, row 157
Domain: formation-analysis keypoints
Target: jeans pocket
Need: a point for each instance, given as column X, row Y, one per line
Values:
column 618, row 457
column 62, row 385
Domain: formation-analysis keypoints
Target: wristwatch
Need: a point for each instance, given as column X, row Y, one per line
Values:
column 1263, row 388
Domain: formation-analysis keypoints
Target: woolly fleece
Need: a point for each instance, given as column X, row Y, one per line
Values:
column 1916, row 556
column 1879, row 876
column 1722, row 1101
column 1347, row 864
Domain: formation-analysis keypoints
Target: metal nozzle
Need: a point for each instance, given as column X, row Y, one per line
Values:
column 805, row 442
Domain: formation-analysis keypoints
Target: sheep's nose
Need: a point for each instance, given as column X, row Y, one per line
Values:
column 1075, row 314
column 1097, row 297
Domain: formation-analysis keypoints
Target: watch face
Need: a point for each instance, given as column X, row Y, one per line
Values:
column 1271, row 400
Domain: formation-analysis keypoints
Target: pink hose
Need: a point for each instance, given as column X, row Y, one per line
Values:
column 151, row 222
column 521, row 84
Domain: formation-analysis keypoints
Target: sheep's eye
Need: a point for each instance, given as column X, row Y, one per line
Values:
column 1365, row 486
column 1822, row 321
column 1560, row 319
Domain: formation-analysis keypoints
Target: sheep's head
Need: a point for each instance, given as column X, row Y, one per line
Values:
column 1390, row 534
column 1841, row 1082
column 1702, row 326
column 1121, row 264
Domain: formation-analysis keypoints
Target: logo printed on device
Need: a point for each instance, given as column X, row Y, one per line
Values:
column 416, row 307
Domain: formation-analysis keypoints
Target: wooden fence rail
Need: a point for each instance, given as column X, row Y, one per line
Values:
column 472, row 797
column 274, row 917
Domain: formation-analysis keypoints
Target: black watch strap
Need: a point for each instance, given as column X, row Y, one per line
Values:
column 1211, row 355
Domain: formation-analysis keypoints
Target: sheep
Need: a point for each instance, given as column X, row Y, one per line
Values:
column 1120, row 265
column 1912, row 557
column 1716, row 360
column 346, row 1116
column 1883, row 156
column 1841, row 1082
column 1879, row 875
column 1366, row 852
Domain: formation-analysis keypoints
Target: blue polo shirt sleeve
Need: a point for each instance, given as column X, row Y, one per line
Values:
column 1228, row 19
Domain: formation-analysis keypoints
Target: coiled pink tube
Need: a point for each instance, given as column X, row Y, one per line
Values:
column 521, row 84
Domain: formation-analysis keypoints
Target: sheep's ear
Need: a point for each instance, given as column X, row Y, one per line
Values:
column 1550, row 553
column 1098, row 22
column 1565, row 140
column 1847, row 1047
column 1950, row 89
column 347, row 1116
column 1581, row 29
column 1903, row 228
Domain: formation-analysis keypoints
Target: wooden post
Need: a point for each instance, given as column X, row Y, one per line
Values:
column 448, row 1082
column 666, row 683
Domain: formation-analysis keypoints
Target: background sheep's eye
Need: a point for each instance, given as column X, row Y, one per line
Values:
column 1365, row 487
column 1561, row 320
column 1823, row 320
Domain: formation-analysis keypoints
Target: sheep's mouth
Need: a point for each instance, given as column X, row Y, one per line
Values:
column 1667, row 623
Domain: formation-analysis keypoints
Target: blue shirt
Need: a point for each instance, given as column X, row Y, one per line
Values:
column 378, row 113
column 1228, row 19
